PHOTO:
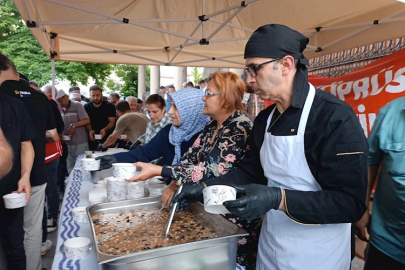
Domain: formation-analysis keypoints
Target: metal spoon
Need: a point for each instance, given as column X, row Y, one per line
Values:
column 169, row 223
column 155, row 214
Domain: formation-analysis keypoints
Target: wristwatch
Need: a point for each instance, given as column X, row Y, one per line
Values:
column 71, row 125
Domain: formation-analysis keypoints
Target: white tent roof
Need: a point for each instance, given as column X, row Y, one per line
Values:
column 169, row 32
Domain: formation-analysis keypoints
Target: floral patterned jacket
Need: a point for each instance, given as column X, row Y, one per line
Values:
column 205, row 160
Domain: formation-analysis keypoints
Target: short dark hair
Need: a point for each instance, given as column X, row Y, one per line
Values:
column 122, row 106
column 74, row 88
column 190, row 84
column 6, row 64
column 95, row 87
column 157, row 100
column 162, row 87
column 139, row 101
column 34, row 83
column 201, row 81
column 115, row 95
column 172, row 86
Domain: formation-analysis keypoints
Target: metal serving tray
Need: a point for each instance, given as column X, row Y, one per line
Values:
column 213, row 254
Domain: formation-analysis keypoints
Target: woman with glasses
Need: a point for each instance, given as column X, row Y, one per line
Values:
column 218, row 149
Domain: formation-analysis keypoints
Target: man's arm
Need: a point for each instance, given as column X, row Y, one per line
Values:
column 27, row 160
column 110, row 125
column 52, row 135
column 6, row 157
column 111, row 140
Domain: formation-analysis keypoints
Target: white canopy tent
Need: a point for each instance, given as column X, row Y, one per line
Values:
column 206, row 33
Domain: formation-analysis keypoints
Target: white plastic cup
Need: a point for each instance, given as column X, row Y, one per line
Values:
column 77, row 248
column 156, row 189
column 123, row 137
column 90, row 164
column 116, row 190
column 15, row 200
column 79, row 214
column 215, row 196
column 66, row 138
column 98, row 136
column 135, row 190
column 124, row 170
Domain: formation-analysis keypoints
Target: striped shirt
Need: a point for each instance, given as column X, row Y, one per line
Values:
column 152, row 130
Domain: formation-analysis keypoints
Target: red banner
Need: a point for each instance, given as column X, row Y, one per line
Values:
column 369, row 88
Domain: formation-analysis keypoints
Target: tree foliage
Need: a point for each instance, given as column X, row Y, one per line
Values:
column 197, row 75
column 17, row 42
column 128, row 74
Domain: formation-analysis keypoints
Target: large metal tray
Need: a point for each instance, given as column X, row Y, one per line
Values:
column 217, row 253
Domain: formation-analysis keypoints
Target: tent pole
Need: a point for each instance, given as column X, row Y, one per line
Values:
column 53, row 77
column 225, row 22
column 229, row 9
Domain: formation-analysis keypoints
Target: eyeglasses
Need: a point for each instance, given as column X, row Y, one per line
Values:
column 208, row 93
column 252, row 70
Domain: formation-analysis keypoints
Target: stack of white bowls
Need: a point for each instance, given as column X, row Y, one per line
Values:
column 98, row 195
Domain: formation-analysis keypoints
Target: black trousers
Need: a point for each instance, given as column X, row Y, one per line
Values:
column 377, row 260
column 12, row 237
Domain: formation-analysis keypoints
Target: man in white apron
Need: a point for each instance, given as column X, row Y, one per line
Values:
column 308, row 150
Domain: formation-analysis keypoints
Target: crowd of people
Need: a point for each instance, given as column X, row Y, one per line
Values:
column 300, row 168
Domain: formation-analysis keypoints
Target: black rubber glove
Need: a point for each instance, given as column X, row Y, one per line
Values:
column 106, row 161
column 134, row 145
column 100, row 148
column 188, row 194
column 258, row 201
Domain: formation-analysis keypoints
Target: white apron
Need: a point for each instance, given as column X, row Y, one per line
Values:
column 285, row 244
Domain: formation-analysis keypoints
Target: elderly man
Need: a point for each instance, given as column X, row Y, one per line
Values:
column 75, row 118
column 133, row 125
column 76, row 90
column 40, row 111
column 75, row 97
column 133, row 103
column 309, row 151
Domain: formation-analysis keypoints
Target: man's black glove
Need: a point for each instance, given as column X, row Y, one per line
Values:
column 134, row 145
column 106, row 161
column 258, row 201
column 187, row 195
column 101, row 148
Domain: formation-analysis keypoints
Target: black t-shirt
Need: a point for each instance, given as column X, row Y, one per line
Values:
column 40, row 110
column 17, row 127
column 99, row 116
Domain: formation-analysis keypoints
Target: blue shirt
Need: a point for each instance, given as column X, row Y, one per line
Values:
column 158, row 146
column 387, row 147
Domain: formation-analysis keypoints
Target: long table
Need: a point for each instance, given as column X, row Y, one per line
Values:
column 78, row 185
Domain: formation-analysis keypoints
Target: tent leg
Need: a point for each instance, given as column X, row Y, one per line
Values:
column 53, row 76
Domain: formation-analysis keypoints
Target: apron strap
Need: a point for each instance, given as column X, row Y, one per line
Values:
column 306, row 110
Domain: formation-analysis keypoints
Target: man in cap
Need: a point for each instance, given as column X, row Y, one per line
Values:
column 309, row 151
column 75, row 118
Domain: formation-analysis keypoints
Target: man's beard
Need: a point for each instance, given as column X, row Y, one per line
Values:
column 97, row 102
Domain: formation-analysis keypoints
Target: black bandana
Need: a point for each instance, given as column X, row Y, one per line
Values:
column 277, row 41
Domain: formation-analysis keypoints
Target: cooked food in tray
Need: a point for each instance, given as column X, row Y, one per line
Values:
column 134, row 231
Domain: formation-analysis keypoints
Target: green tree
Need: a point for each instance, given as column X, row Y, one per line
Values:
column 198, row 76
column 17, row 42
column 129, row 76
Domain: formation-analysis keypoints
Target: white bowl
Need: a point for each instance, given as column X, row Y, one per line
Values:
column 156, row 189
column 77, row 248
column 155, row 180
column 214, row 196
column 101, row 185
column 79, row 214
column 88, row 152
column 124, row 170
column 98, row 136
column 135, row 190
column 123, row 137
column 66, row 138
column 15, row 200
column 116, row 190
column 98, row 194
column 90, row 164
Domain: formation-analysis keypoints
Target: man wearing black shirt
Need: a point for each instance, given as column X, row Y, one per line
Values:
column 40, row 111
column 18, row 131
column 102, row 116
column 309, row 151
